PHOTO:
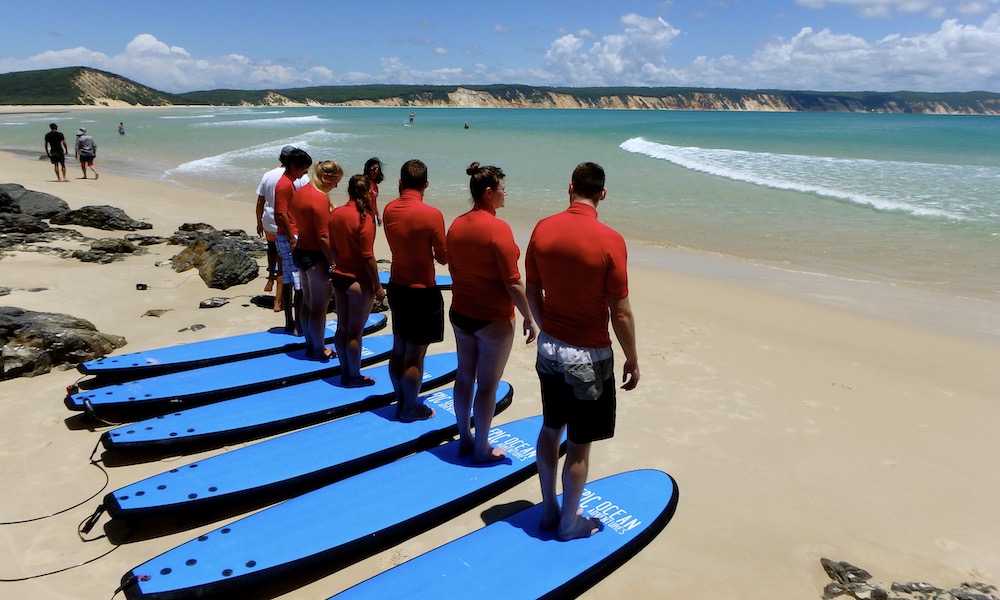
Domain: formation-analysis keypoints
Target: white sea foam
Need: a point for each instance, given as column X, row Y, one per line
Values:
column 918, row 189
column 272, row 122
column 235, row 161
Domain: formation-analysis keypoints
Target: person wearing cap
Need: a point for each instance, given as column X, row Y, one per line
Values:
column 56, row 149
column 266, row 226
column 86, row 152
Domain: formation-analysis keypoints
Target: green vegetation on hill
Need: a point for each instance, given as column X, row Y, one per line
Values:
column 82, row 85
column 54, row 86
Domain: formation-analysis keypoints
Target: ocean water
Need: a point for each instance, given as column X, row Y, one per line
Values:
column 900, row 200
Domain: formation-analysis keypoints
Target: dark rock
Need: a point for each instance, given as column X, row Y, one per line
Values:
column 196, row 227
column 263, row 301
column 4, row 291
column 215, row 302
column 103, row 217
column 915, row 587
column 155, row 312
column 41, row 205
column 194, row 327
column 145, row 240
column 221, row 262
column 35, row 342
column 112, row 246
column 21, row 223
column 844, row 572
column 9, row 205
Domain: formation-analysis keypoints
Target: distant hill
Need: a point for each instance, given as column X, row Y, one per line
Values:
column 86, row 86
column 78, row 85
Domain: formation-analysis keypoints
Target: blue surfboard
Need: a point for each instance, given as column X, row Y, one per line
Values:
column 210, row 384
column 145, row 363
column 266, row 413
column 323, row 454
column 337, row 523
column 442, row 281
column 633, row 508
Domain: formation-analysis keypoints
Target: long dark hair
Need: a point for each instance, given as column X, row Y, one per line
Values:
column 373, row 161
column 482, row 178
column 357, row 190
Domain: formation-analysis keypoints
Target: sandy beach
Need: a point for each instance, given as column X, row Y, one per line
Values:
column 795, row 429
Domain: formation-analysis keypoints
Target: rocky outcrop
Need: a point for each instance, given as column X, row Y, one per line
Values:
column 855, row 582
column 108, row 218
column 30, row 202
column 223, row 258
column 32, row 343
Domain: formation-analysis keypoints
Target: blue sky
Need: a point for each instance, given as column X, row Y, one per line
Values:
column 833, row 45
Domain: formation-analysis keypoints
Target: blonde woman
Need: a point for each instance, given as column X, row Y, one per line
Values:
column 313, row 254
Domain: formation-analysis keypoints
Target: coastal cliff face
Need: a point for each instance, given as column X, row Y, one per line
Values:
column 85, row 86
column 745, row 101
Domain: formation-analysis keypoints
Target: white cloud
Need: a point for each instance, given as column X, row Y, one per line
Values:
column 151, row 62
column 957, row 57
column 936, row 9
column 637, row 56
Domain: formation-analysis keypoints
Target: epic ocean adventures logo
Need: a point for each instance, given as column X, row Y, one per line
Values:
column 616, row 518
column 515, row 447
column 442, row 400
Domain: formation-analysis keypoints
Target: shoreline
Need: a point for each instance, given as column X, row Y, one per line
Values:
column 904, row 302
column 796, row 430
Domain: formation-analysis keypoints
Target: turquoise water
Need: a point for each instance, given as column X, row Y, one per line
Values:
column 906, row 199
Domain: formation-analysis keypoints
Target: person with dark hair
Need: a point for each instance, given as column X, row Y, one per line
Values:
column 56, row 149
column 415, row 232
column 266, row 226
column 577, row 281
column 486, row 286
column 374, row 172
column 297, row 164
column 313, row 253
column 355, row 277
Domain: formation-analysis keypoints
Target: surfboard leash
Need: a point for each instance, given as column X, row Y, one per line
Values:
column 107, row 481
column 84, row 527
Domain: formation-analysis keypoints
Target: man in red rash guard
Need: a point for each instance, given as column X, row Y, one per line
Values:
column 415, row 232
column 297, row 164
column 577, row 280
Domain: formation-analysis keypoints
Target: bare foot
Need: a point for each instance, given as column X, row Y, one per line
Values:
column 582, row 527
column 495, row 455
column 421, row 413
column 464, row 448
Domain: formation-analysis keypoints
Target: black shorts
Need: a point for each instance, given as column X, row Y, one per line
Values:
column 341, row 282
column 417, row 313
column 466, row 324
column 585, row 420
column 306, row 259
column 58, row 159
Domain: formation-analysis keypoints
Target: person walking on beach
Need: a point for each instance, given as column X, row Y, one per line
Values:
column 56, row 149
column 313, row 254
column 486, row 286
column 373, row 170
column 415, row 232
column 577, row 278
column 296, row 165
column 86, row 152
column 355, row 278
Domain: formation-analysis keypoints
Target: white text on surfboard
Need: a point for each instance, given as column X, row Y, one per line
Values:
column 516, row 448
column 613, row 516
